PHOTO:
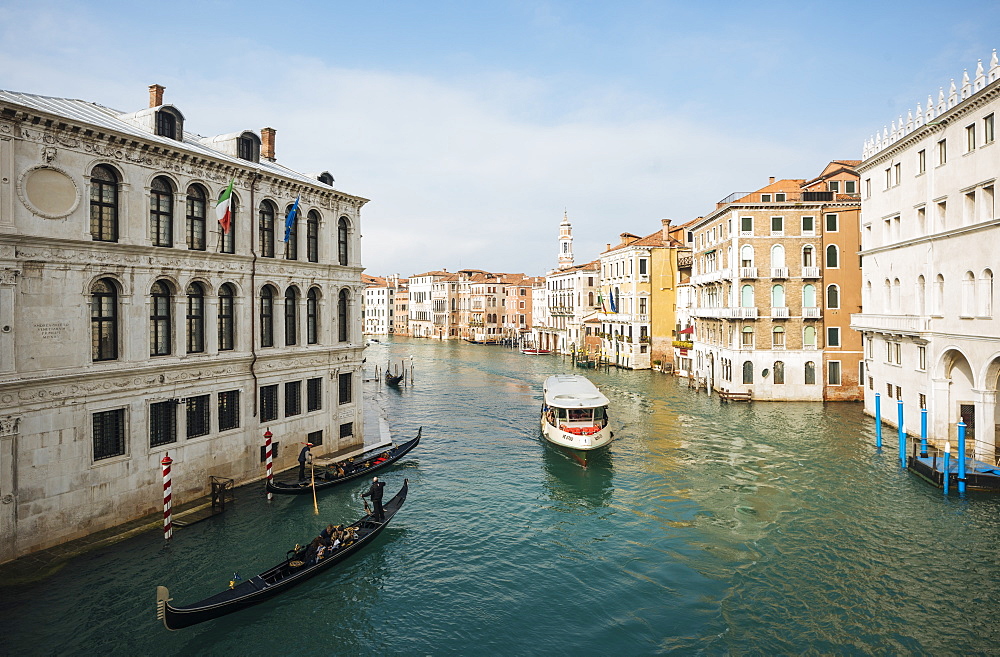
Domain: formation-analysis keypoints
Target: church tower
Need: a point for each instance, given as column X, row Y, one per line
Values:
column 565, row 243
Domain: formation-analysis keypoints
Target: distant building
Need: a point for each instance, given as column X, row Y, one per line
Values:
column 421, row 303
column 929, row 259
column 135, row 325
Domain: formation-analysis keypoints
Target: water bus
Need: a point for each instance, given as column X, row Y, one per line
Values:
column 575, row 415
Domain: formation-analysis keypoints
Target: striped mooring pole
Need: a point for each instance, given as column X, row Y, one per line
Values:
column 268, row 456
column 168, row 526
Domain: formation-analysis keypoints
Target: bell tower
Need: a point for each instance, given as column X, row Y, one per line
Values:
column 565, row 243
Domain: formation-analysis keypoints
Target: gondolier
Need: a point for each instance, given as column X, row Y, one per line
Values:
column 304, row 456
column 375, row 492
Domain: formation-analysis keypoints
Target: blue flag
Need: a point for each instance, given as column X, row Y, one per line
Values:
column 290, row 219
column 614, row 302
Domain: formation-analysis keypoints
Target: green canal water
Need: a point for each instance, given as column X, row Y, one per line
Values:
column 708, row 529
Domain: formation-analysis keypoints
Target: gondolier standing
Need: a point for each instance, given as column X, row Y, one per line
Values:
column 375, row 492
column 304, row 456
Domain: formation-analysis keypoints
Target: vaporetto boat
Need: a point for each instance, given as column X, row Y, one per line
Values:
column 575, row 415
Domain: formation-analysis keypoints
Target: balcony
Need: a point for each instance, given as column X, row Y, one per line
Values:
column 745, row 313
column 779, row 312
column 710, row 312
column 683, row 344
column 810, row 313
column 779, row 272
column 748, row 272
column 810, row 272
column 898, row 324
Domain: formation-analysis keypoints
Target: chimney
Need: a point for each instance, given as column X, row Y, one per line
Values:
column 156, row 95
column 267, row 143
column 607, row 247
column 666, row 223
column 770, row 180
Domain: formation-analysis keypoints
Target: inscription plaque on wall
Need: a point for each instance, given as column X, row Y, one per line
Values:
column 51, row 331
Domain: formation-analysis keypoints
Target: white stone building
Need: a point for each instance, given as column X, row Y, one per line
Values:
column 132, row 327
column 421, row 303
column 929, row 257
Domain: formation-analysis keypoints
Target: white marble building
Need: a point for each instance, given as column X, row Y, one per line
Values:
column 929, row 257
column 132, row 327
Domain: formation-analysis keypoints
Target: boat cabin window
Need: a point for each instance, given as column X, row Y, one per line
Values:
column 581, row 415
column 599, row 414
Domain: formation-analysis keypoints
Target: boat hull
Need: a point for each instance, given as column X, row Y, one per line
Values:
column 580, row 447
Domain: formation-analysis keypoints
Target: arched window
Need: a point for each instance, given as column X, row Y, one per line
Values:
column 808, row 256
column 985, row 293
column 778, row 296
column 196, row 218
column 343, row 332
column 747, row 372
column 810, row 373
column 809, row 337
column 312, row 236
column 808, row 295
column 778, row 338
column 897, row 299
column 938, row 308
column 161, row 212
column 195, row 318
column 832, row 257
column 833, row 297
column 747, row 336
column 267, row 316
column 779, row 372
column 159, row 319
column 229, row 237
column 291, row 316
column 227, row 317
column 104, row 320
column 312, row 316
column 746, row 296
column 291, row 234
column 968, row 294
column 590, row 299
column 746, row 256
column 266, row 225
column 777, row 256
column 342, row 237
column 104, row 204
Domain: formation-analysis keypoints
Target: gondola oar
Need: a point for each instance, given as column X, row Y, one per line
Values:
column 312, row 469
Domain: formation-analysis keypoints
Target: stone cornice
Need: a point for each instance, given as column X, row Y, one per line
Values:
column 934, row 237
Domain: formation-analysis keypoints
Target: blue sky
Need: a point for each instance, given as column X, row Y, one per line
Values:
column 472, row 126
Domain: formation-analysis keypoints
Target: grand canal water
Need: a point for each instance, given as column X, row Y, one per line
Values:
column 708, row 528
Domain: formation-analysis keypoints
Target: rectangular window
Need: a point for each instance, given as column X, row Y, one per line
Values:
column 765, row 198
column 808, row 225
column 779, row 197
column 346, row 430
column 922, row 400
column 898, row 348
column 746, row 225
column 346, row 382
column 314, row 394
column 269, row 403
column 942, row 149
column 833, row 186
column 899, row 393
column 988, row 129
column 293, row 398
column 850, row 186
column 832, row 223
column 833, row 336
column 888, row 352
column 888, row 178
column 921, row 161
column 896, row 173
column 162, row 423
column 315, row 437
column 970, row 138
column 642, row 266
column 198, row 423
column 833, row 373
column 777, row 225
column 871, row 383
column 109, row 433
column 229, row 410
column 868, row 187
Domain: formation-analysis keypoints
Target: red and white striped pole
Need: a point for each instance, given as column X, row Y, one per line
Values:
column 168, row 526
column 268, row 456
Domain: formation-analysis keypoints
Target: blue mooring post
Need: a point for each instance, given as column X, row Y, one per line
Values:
column 923, row 433
column 947, row 467
column 902, row 433
column 878, row 420
column 961, row 458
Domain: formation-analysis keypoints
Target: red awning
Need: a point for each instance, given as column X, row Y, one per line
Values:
column 689, row 329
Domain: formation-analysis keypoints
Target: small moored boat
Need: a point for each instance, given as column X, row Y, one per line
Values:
column 535, row 352
column 394, row 379
column 300, row 565
column 357, row 467
column 575, row 415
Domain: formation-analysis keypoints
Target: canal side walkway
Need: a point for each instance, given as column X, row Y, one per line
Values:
column 43, row 563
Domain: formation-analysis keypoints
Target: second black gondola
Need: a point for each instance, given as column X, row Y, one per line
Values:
column 354, row 469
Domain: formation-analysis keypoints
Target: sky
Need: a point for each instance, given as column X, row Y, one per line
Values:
column 473, row 127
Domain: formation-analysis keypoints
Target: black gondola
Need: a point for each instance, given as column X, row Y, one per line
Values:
column 361, row 465
column 297, row 568
column 394, row 379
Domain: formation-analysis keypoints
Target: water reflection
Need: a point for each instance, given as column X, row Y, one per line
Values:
column 569, row 484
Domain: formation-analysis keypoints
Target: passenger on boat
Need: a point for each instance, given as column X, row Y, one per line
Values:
column 340, row 470
column 311, row 553
column 327, row 533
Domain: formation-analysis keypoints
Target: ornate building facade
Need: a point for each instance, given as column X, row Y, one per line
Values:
column 133, row 325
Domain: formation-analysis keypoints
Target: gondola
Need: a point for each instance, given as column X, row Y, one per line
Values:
column 393, row 380
column 361, row 466
column 295, row 569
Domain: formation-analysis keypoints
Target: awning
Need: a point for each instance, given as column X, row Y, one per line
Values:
column 689, row 329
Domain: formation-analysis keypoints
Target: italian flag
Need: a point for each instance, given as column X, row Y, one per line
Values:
column 222, row 208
